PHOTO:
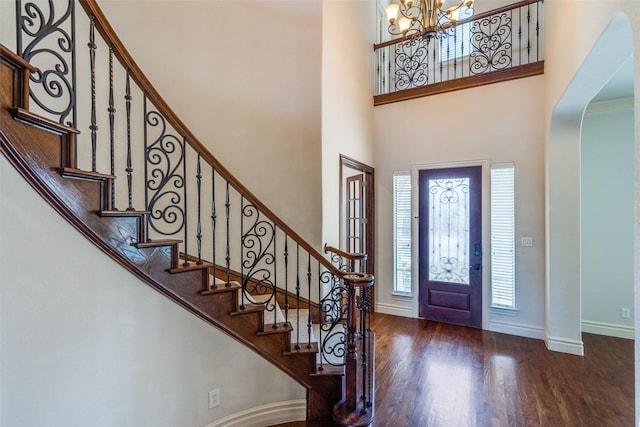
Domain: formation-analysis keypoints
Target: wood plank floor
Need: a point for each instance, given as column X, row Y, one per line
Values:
column 434, row 374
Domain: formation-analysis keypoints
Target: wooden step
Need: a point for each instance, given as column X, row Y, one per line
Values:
column 82, row 174
column 215, row 285
column 248, row 309
column 325, row 369
column 275, row 328
column 67, row 134
column 156, row 243
column 189, row 267
column 104, row 180
column 305, row 348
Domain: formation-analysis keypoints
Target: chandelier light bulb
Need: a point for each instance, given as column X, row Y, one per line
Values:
column 404, row 23
column 426, row 18
column 453, row 14
column 392, row 12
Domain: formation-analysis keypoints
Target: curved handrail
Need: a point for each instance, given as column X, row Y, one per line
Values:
column 343, row 254
column 122, row 54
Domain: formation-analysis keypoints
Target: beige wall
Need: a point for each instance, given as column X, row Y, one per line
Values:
column 347, row 93
column 245, row 78
column 496, row 123
column 85, row 343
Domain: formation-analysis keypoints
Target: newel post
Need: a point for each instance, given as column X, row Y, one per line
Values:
column 356, row 407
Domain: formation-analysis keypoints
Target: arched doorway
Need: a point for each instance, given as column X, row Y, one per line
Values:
column 563, row 281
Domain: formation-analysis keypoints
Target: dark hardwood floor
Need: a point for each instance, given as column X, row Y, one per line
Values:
column 439, row 375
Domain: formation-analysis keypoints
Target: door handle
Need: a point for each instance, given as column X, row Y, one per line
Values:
column 476, row 266
column 477, row 249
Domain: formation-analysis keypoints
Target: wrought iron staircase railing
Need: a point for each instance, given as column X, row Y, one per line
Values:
column 189, row 200
column 497, row 45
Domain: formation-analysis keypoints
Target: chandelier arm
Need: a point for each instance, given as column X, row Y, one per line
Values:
column 427, row 18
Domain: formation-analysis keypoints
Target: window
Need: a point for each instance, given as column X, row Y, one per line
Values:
column 455, row 43
column 502, row 236
column 402, row 233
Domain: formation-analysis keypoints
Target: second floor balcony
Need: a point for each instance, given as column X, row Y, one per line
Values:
column 497, row 45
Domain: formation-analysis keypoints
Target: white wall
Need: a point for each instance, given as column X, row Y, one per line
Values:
column 347, row 91
column 606, row 217
column 245, row 77
column 498, row 123
column 83, row 342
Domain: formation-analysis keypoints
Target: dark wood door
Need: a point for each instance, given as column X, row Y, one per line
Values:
column 357, row 214
column 450, row 245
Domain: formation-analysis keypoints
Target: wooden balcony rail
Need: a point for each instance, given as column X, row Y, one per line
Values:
column 498, row 45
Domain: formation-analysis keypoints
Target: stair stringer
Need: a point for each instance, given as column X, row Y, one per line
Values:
column 40, row 152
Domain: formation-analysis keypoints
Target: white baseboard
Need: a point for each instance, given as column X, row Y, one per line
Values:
column 396, row 310
column 564, row 345
column 519, row 329
column 266, row 415
column 609, row 329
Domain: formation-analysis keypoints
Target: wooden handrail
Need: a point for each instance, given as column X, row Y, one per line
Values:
column 122, row 54
column 348, row 255
column 482, row 15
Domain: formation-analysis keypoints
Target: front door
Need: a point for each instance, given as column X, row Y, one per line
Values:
column 450, row 245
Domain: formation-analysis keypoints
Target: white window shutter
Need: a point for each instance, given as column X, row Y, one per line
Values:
column 402, row 232
column 502, row 236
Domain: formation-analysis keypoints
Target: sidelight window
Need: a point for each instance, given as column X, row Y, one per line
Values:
column 402, row 233
column 502, row 236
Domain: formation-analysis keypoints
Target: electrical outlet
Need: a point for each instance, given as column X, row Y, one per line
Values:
column 625, row 313
column 214, row 398
column 527, row 242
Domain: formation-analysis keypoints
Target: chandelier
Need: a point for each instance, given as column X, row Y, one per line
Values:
column 426, row 18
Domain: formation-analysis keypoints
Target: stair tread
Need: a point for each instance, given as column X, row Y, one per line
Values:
column 73, row 172
column 192, row 266
column 119, row 213
column 305, row 348
column 248, row 308
column 276, row 328
column 220, row 289
column 156, row 243
column 326, row 369
column 44, row 123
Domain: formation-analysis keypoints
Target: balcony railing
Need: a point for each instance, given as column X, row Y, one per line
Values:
column 497, row 45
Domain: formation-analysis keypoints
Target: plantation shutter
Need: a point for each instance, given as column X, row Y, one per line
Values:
column 402, row 232
column 502, row 236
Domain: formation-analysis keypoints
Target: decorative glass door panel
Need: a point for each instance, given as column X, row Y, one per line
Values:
column 449, row 230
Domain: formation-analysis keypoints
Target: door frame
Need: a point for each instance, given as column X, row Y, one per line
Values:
column 369, row 172
column 486, row 231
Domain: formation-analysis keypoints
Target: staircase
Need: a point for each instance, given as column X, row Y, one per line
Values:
column 243, row 270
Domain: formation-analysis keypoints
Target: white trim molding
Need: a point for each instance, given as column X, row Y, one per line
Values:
column 609, row 329
column 519, row 329
column 265, row 415
column 394, row 309
column 564, row 345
